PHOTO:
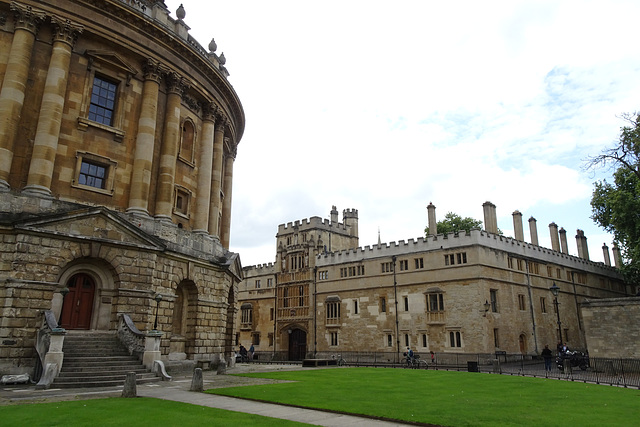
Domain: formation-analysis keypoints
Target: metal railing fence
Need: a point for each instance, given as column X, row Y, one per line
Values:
column 599, row 370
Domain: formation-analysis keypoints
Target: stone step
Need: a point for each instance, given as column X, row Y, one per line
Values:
column 102, row 373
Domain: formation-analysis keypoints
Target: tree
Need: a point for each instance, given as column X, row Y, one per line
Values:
column 454, row 223
column 616, row 206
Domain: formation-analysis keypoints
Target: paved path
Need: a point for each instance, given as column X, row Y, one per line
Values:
column 178, row 390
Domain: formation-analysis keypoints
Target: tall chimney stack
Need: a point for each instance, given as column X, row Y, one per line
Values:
column 605, row 254
column 533, row 229
column 555, row 242
column 563, row 241
column 431, row 214
column 581, row 242
column 490, row 219
column 617, row 256
column 517, row 226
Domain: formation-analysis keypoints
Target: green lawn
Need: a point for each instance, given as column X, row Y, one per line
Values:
column 127, row 412
column 450, row 398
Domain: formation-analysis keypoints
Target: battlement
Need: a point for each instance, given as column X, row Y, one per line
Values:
column 350, row 213
column 259, row 270
column 453, row 241
column 312, row 223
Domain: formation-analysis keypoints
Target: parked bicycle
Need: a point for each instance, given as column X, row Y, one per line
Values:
column 340, row 360
column 414, row 362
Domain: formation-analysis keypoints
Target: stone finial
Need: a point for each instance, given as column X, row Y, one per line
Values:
column 180, row 13
column 212, row 45
column 222, row 59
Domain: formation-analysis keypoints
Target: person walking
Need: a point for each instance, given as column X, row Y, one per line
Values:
column 547, row 354
column 251, row 351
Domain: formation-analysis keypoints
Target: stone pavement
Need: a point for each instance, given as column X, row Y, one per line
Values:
column 178, row 390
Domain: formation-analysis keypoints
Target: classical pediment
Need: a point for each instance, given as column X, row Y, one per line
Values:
column 97, row 224
column 111, row 59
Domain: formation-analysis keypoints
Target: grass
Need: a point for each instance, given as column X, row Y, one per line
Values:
column 450, row 398
column 127, row 412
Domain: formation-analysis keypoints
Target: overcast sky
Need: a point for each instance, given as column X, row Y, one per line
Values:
column 386, row 106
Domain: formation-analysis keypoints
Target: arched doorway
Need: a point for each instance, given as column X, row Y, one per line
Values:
column 523, row 343
column 77, row 305
column 297, row 344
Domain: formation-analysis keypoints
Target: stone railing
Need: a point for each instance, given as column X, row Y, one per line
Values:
column 49, row 344
column 130, row 336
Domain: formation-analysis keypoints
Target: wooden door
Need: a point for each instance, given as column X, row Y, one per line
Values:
column 78, row 303
column 297, row 344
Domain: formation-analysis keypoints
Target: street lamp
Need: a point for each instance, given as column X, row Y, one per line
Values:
column 158, row 298
column 64, row 291
column 487, row 306
column 555, row 289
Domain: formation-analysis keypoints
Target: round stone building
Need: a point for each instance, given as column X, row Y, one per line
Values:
column 118, row 135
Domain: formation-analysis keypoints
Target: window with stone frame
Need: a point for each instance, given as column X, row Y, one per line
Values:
column 419, row 262
column 435, row 302
column 246, row 316
column 383, row 304
column 493, row 296
column 522, row 306
column 187, row 142
column 107, row 83
column 182, row 202
column 543, row 304
column 455, row 339
column 334, row 338
column 332, row 308
column 94, row 173
column 255, row 338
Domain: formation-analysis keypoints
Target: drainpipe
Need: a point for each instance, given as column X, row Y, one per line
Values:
column 315, row 320
column 533, row 317
column 395, row 292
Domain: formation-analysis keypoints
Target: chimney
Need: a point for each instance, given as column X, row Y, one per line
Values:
column 563, row 241
column 581, row 242
column 533, row 229
column 334, row 214
column 617, row 257
column 605, row 254
column 490, row 219
column 517, row 226
column 555, row 243
column 431, row 214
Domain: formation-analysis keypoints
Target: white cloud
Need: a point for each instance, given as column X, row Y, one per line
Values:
column 385, row 107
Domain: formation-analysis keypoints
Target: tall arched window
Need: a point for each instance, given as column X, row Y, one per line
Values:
column 186, row 144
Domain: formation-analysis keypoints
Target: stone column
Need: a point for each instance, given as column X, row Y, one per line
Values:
column 225, row 229
column 564, row 247
column 533, row 230
column 553, row 231
column 517, row 226
column 14, row 83
column 605, row 254
column 145, row 140
column 176, row 86
column 431, row 215
column 216, row 179
column 205, row 170
column 45, row 144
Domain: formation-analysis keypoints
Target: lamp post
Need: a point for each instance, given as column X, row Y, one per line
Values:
column 158, row 298
column 487, row 306
column 64, row 291
column 555, row 289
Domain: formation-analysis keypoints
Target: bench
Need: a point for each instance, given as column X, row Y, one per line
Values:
column 306, row 363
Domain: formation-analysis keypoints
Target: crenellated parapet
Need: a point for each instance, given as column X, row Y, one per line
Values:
column 314, row 222
column 259, row 270
column 456, row 241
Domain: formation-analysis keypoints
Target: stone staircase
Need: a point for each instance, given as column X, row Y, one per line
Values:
column 97, row 359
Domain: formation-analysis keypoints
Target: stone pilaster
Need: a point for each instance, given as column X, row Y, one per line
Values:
column 216, row 179
column 205, row 170
column 45, row 144
column 27, row 21
column 145, row 140
column 225, row 229
column 176, row 86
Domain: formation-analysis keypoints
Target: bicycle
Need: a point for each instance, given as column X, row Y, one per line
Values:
column 339, row 360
